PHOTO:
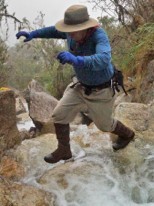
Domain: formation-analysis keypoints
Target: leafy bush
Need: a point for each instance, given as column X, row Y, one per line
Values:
column 4, row 68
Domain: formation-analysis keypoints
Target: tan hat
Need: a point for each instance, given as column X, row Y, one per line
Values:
column 76, row 18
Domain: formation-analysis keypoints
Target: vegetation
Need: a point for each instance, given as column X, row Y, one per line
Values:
column 4, row 67
column 141, row 49
column 129, row 24
column 37, row 60
column 126, row 11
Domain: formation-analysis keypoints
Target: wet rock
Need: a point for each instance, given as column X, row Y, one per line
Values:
column 20, row 194
column 11, row 169
column 151, row 176
column 151, row 195
column 62, row 174
column 136, row 195
column 125, row 160
column 30, row 154
column 150, row 163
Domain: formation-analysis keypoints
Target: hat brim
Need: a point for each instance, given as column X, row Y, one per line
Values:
column 61, row 26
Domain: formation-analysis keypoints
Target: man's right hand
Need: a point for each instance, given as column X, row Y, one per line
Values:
column 28, row 36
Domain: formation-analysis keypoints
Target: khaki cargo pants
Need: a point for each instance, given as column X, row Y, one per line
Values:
column 98, row 105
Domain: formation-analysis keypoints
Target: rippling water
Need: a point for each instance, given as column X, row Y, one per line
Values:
column 102, row 177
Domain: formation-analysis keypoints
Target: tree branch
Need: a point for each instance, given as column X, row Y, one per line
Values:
column 10, row 16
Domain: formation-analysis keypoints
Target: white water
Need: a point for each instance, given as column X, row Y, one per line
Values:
column 109, row 181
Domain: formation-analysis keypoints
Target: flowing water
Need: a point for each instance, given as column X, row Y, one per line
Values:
column 102, row 177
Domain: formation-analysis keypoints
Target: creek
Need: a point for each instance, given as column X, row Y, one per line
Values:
column 102, row 177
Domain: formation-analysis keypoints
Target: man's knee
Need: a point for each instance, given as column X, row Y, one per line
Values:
column 57, row 116
column 107, row 127
column 62, row 116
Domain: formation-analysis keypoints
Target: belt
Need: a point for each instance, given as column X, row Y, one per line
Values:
column 99, row 87
column 90, row 88
column 114, row 83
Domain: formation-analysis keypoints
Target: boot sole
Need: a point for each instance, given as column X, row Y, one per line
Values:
column 115, row 150
column 51, row 161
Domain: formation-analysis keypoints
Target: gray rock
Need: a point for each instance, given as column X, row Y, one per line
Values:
column 40, row 105
column 135, row 115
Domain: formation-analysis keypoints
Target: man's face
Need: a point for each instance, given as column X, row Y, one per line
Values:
column 78, row 35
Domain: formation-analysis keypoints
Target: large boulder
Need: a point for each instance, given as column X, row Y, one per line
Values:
column 139, row 117
column 9, row 134
column 147, row 85
column 135, row 115
column 40, row 105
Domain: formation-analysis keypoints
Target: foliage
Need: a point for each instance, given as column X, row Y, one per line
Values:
column 57, row 80
column 109, row 24
column 118, row 37
column 37, row 60
column 23, row 66
column 125, row 10
column 130, row 50
column 140, row 49
column 4, row 69
column 4, row 14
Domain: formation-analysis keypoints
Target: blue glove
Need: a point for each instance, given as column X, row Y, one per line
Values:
column 66, row 57
column 27, row 35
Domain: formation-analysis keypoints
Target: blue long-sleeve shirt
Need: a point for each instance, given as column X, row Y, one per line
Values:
column 96, row 51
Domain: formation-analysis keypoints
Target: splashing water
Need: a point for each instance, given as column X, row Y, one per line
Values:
column 102, row 177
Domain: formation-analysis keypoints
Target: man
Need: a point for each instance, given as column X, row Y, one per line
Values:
column 90, row 55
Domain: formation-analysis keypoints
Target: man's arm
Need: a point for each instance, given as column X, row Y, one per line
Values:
column 46, row 32
column 102, row 56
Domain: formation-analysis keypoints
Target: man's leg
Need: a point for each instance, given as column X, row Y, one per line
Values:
column 63, row 152
column 63, row 114
column 125, row 135
column 100, row 106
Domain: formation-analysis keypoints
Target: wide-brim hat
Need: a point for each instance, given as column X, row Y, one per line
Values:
column 76, row 18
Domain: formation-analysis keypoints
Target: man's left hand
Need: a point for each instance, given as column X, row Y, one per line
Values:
column 66, row 57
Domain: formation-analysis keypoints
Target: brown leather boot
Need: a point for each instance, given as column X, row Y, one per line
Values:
column 63, row 152
column 125, row 135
